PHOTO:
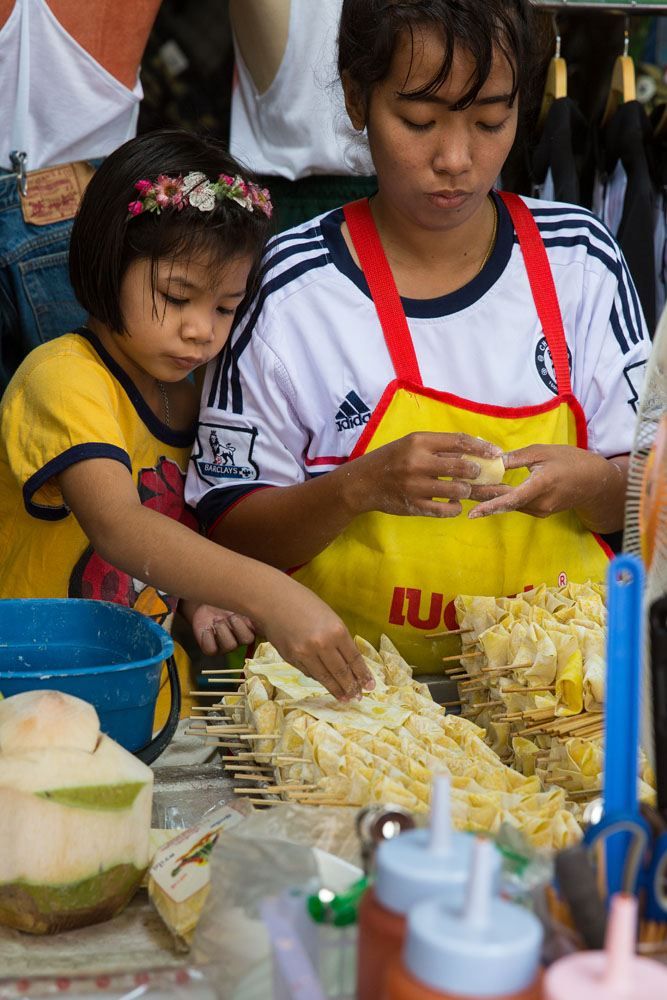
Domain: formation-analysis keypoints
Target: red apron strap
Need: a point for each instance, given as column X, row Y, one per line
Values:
column 542, row 286
column 383, row 290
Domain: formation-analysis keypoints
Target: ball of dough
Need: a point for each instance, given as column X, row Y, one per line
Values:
column 491, row 470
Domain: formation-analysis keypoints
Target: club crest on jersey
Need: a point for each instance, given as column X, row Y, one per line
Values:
column 225, row 453
column 352, row 412
column 545, row 365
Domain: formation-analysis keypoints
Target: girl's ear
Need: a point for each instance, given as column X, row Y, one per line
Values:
column 355, row 103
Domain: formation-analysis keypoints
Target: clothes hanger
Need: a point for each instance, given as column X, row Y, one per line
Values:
column 555, row 86
column 623, row 87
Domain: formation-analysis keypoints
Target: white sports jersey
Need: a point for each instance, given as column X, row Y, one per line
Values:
column 307, row 363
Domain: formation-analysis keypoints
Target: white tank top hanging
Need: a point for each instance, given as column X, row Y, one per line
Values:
column 59, row 105
column 299, row 125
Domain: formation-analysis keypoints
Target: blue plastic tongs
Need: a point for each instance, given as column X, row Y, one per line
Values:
column 622, row 832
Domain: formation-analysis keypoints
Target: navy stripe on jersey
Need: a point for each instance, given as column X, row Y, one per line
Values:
column 239, row 346
column 292, row 234
column 573, row 223
column 214, row 503
column 581, row 218
column 632, row 326
column 224, row 361
column 228, row 362
column 631, row 320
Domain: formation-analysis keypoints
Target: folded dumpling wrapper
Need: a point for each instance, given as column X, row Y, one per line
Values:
column 367, row 715
column 595, row 672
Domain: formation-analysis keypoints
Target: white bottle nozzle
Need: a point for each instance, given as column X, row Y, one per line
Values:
column 440, row 841
column 620, row 941
column 481, row 885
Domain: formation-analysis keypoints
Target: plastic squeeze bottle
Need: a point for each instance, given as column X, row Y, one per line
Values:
column 616, row 973
column 414, row 866
column 485, row 948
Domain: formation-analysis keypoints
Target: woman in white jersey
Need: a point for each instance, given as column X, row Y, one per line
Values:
column 388, row 337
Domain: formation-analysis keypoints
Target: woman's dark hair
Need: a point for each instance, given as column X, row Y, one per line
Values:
column 106, row 239
column 370, row 30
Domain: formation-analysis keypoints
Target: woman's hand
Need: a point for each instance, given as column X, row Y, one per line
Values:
column 310, row 636
column 405, row 476
column 219, row 631
column 561, row 478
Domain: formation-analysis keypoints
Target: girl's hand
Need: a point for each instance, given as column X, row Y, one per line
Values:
column 561, row 478
column 310, row 636
column 219, row 631
column 404, row 477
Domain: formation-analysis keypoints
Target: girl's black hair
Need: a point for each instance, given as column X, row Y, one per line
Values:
column 106, row 239
column 370, row 30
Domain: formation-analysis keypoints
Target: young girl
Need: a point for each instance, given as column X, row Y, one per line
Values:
column 390, row 336
column 97, row 425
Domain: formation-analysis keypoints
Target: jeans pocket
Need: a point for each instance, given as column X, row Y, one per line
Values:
column 49, row 295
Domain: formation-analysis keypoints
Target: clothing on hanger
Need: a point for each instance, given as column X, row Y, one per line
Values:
column 557, row 159
column 660, row 236
column 625, row 180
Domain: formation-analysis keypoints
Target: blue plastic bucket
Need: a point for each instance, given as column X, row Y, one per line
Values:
column 105, row 653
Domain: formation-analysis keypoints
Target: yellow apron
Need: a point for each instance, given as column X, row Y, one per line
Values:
column 399, row 575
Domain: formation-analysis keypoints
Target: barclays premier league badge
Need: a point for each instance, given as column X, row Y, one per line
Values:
column 225, row 454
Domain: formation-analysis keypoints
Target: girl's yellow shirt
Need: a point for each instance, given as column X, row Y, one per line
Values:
column 69, row 402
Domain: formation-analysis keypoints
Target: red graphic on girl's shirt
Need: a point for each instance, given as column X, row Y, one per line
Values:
column 94, row 578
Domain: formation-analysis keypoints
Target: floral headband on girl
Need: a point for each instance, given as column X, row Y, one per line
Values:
column 197, row 190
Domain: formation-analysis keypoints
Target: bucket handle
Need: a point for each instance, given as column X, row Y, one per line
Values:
column 152, row 750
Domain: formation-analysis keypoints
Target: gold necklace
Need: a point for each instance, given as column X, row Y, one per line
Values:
column 493, row 238
column 165, row 402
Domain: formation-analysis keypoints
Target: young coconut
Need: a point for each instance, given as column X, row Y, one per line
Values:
column 75, row 811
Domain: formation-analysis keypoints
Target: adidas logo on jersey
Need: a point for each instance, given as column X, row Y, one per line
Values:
column 352, row 412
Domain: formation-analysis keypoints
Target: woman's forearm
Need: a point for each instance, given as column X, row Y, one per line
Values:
column 605, row 513
column 287, row 526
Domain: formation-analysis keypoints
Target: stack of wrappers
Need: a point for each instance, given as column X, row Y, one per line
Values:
column 386, row 748
column 532, row 675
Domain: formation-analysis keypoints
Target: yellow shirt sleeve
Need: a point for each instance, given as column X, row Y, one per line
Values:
column 61, row 408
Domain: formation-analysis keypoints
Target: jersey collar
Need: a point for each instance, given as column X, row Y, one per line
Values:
column 443, row 305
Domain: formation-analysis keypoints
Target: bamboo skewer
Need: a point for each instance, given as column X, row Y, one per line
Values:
column 230, row 670
column 462, row 656
column 445, row 635
column 279, row 760
column 249, row 770
column 508, row 668
column 227, row 746
column 260, row 736
column 228, row 730
column 275, row 789
column 583, row 793
column 213, row 694
column 215, row 708
column 527, row 690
